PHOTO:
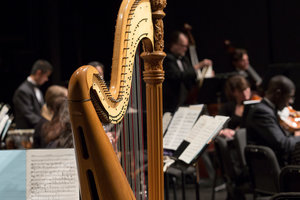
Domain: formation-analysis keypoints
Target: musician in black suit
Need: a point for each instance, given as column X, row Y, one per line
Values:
column 262, row 122
column 180, row 74
column 28, row 98
column 241, row 64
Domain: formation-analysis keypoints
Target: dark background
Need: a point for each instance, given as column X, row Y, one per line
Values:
column 72, row 33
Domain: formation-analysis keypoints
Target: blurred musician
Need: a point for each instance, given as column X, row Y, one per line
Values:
column 237, row 90
column 263, row 125
column 241, row 64
column 180, row 74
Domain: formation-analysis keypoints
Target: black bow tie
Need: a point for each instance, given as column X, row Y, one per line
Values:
column 35, row 85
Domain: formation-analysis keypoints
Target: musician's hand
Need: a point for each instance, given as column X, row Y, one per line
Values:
column 297, row 133
column 228, row 133
column 203, row 63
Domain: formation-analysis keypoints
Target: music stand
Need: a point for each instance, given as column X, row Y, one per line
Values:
column 212, row 90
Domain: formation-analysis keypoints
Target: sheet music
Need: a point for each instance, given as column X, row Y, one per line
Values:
column 251, row 102
column 209, row 72
column 3, row 122
column 197, row 107
column 3, row 111
column 180, row 125
column 166, row 120
column 203, row 121
column 52, row 175
column 5, row 129
column 201, row 134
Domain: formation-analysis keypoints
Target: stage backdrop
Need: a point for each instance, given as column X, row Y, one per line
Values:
column 70, row 34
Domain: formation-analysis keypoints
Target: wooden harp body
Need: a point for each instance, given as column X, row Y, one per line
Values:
column 91, row 104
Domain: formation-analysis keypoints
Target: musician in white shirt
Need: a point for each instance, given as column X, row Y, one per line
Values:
column 28, row 98
column 180, row 74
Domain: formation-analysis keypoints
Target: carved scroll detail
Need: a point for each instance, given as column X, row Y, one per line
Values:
column 158, row 14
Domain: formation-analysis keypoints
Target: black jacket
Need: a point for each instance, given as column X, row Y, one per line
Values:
column 263, row 128
column 27, row 109
column 177, row 83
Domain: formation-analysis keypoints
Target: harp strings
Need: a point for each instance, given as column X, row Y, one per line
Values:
column 130, row 136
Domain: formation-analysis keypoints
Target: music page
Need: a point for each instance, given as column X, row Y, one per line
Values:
column 201, row 134
column 197, row 107
column 166, row 120
column 52, row 175
column 182, row 122
column 3, row 123
column 3, row 111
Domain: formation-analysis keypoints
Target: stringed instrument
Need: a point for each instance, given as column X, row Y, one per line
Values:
column 205, row 72
column 92, row 105
column 289, row 119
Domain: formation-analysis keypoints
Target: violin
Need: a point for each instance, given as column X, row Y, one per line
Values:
column 256, row 97
column 289, row 119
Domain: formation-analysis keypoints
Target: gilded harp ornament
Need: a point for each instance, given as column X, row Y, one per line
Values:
column 91, row 104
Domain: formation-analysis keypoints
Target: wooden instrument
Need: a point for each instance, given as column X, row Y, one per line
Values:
column 290, row 119
column 255, row 97
column 206, row 71
column 229, row 47
column 91, row 104
column 201, row 73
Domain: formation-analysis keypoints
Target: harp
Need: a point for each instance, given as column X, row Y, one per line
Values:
column 92, row 104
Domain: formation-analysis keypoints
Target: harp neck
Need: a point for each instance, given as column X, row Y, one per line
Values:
column 92, row 103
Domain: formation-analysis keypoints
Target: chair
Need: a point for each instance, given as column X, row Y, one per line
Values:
column 240, row 143
column 264, row 170
column 240, row 140
column 289, row 179
column 286, row 196
column 235, row 186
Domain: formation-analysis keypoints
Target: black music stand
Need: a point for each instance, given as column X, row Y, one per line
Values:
column 212, row 90
column 180, row 169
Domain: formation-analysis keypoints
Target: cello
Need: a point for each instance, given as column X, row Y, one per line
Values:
column 205, row 72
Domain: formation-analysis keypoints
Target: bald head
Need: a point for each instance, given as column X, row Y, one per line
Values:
column 280, row 91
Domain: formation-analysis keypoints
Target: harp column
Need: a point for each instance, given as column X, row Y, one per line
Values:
column 153, row 77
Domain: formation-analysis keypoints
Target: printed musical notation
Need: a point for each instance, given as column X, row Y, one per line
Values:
column 188, row 134
column 52, row 175
column 46, row 174
column 201, row 134
column 182, row 121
